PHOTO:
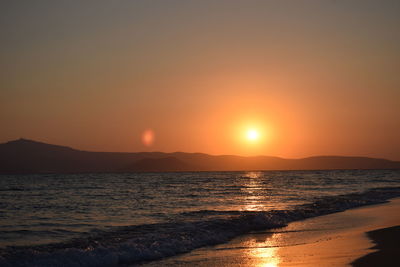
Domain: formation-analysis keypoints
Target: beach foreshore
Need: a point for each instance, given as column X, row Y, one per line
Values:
column 338, row 239
column 388, row 246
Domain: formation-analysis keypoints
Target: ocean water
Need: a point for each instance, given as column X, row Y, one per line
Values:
column 119, row 219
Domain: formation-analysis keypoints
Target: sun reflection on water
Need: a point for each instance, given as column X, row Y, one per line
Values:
column 253, row 190
column 264, row 253
column 266, row 257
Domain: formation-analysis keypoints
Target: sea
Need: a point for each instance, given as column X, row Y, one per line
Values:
column 124, row 219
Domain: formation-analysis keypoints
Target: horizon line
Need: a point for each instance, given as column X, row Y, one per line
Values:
column 216, row 155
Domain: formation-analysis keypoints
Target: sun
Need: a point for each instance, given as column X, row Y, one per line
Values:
column 252, row 135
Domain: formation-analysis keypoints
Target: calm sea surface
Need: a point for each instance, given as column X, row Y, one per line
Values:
column 53, row 209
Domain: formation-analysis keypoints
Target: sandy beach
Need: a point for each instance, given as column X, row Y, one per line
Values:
column 337, row 239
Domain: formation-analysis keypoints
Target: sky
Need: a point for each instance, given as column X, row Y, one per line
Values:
column 310, row 77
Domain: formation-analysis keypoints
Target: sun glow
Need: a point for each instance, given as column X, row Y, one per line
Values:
column 252, row 135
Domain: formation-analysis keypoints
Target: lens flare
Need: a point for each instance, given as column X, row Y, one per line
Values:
column 148, row 137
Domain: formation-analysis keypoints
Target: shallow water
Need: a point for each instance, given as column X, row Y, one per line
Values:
column 332, row 240
column 154, row 208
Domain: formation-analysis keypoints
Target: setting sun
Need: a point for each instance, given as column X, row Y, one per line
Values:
column 252, row 135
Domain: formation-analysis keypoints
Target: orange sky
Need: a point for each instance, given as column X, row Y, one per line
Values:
column 315, row 77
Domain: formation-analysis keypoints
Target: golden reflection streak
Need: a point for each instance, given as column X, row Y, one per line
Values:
column 252, row 188
column 267, row 257
column 262, row 254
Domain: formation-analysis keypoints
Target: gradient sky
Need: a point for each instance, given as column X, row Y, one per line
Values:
column 315, row 77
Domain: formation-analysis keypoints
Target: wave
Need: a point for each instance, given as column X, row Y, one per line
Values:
column 12, row 189
column 135, row 244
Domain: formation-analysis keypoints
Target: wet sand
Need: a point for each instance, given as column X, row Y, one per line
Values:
column 332, row 240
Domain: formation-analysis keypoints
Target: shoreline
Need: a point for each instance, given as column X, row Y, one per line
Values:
column 337, row 239
column 387, row 244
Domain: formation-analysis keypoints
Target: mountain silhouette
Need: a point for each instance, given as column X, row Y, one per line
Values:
column 27, row 156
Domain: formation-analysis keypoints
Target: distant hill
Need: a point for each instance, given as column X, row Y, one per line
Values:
column 27, row 156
